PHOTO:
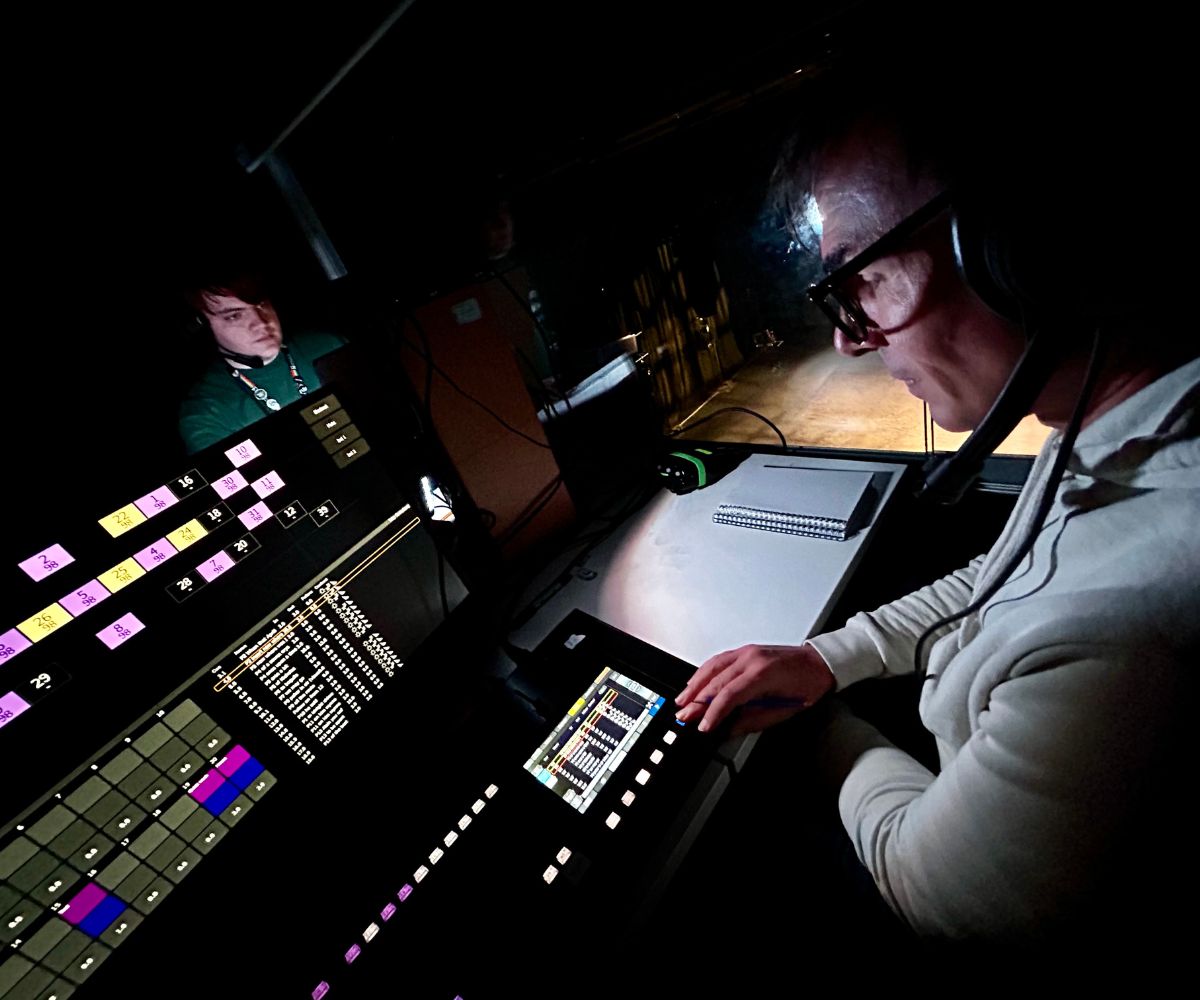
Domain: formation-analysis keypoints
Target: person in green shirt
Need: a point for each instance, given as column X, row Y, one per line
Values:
column 257, row 371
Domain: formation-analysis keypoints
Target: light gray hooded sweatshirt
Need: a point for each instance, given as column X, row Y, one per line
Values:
column 1058, row 709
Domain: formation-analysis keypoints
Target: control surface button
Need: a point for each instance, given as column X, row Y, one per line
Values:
column 563, row 856
column 548, row 874
column 627, row 798
column 656, row 757
column 120, row 929
column 642, row 776
column 670, row 736
column 612, row 821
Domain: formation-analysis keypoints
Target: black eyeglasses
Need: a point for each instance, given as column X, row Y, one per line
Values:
column 842, row 306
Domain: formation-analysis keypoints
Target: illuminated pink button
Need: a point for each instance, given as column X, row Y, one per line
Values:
column 12, row 643
column 125, row 627
column 84, row 901
column 233, row 760
column 156, row 501
column 320, row 991
column 268, row 484
column 252, row 517
column 153, row 555
column 387, row 912
column 242, row 453
column 203, row 788
column 353, row 953
column 210, row 569
column 404, row 893
column 44, row 563
column 11, row 705
column 228, row 485
column 87, row 596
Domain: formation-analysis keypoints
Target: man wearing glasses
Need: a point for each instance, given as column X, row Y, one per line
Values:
column 1058, row 667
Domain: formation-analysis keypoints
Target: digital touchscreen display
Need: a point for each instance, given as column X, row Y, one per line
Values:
column 594, row 737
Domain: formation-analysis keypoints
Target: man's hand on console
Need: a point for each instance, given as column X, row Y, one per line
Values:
column 766, row 684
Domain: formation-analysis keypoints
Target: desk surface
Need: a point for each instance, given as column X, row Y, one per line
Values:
column 673, row 578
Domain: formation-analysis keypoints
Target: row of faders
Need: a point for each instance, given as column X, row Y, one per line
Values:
column 82, row 871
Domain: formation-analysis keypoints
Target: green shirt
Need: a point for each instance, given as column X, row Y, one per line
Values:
column 219, row 405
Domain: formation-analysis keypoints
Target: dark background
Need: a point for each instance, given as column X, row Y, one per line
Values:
column 608, row 128
column 128, row 132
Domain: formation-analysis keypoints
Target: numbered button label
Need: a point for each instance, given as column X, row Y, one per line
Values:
column 11, row 705
column 242, row 453
column 12, row 642
column 121, row 630
column 48, row 620
column 51, row 560
column 268, row 484
column 156, row 501
column 44, row 682
column 85, row 598
column 215, row 515
column 210, row 569
column 256, row 515
column 242, row 548
column 184, row 587
column 189, row 482
column 187, row 534
column 121, row 521
column 155, row 555
column 291, row 514
column 324, row 513
column 121, row 575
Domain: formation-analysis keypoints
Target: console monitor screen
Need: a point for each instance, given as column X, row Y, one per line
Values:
column 594, row 737
column 194, row 649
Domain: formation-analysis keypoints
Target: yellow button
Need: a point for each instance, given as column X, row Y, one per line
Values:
column 44, row 622
column 186, row 534
column 121, row 575
column 120, row 521
column 576, row 707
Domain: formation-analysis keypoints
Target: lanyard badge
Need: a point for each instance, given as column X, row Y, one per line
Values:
column 261, row 394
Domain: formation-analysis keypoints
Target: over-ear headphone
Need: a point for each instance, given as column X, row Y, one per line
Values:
column 1029, row 247
column 997, row 255
column 983, row 253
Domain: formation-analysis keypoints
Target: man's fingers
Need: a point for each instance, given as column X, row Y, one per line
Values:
column 704, row 673
column 691, row 711
column 719, row 681
column 732, row 694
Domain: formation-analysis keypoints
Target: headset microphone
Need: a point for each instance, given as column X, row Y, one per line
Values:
column 249, row 360
column 1007, row 279
column 947, row 477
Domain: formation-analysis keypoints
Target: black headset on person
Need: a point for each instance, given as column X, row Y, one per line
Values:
column 999, row 256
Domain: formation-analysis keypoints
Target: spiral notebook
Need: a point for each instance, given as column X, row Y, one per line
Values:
column 800, row 500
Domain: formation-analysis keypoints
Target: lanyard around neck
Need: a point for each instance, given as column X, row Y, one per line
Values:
column 261, row 394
